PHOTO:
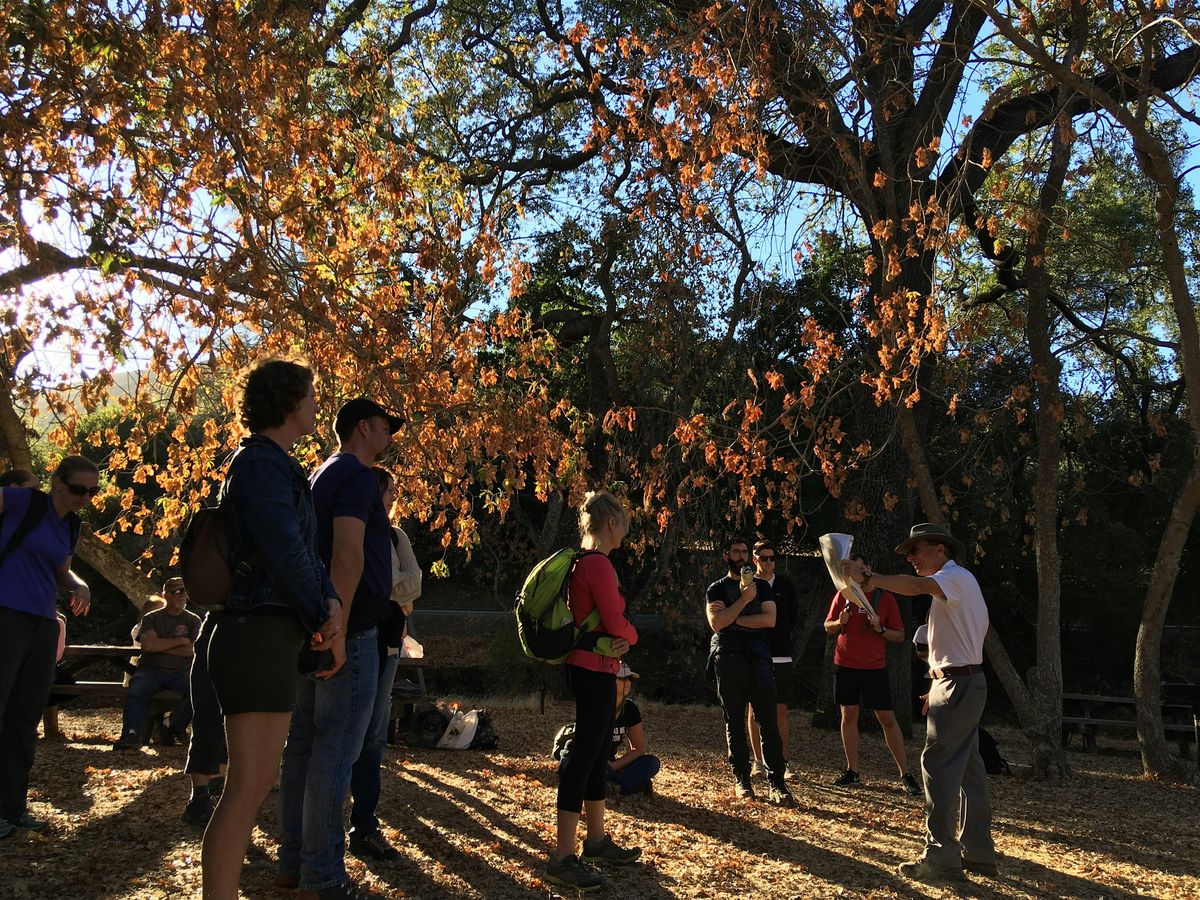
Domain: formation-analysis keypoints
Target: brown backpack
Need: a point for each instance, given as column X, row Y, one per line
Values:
column 205, row 562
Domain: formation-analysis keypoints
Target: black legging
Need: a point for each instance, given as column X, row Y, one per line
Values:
column 582, row 774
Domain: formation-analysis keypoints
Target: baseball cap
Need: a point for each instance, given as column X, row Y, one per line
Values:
column 625, row 671
column 354, row 411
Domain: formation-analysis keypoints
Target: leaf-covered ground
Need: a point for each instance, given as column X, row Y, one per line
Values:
column 479, row 824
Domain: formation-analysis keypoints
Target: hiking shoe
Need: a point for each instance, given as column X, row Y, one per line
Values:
column 164, row 736
column 570, row 872
column 910, row 786
column 198, row 810
column 742, row 788
column 372, row 845
column 847, row 777
column 344, row 891
column 130, row 740
column 923, row 870
column 757, row 769
column 606, row 850
column 789, row 774
column 30, row 823
column 778, row 795
column 980, row 868
column 7, row 829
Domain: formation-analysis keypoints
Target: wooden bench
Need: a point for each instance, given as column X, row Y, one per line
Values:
column 80, row 657
column 1094, row 711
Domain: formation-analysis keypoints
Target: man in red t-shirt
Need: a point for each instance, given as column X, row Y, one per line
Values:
column 861, row 678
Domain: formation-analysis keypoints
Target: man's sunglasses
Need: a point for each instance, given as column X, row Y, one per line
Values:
column 178, row 590
column 770, row 558
column 82, row 490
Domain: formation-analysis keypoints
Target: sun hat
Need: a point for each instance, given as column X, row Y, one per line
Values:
column 930, row 531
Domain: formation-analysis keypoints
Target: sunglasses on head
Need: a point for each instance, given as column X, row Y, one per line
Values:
column 82, row 490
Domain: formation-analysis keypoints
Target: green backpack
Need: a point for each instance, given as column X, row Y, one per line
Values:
column 544, row 622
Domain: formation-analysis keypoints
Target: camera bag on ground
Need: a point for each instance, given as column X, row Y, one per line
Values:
column 437, row 725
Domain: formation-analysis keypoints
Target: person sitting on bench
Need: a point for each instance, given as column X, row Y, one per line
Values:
column 167, row 637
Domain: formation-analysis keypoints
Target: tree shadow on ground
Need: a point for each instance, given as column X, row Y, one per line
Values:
column 134, row 839
column 81, row 756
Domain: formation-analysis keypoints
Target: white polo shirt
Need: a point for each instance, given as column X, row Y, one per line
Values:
column 959, row 623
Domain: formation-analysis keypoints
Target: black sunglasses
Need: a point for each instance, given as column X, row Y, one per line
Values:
column 770, row 558
column 82, row 490
column 178, row 590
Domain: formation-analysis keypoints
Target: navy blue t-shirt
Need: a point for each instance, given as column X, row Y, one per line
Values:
column 29, row 576
column 344, row 487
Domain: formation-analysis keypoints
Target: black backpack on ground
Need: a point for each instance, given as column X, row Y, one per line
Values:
column 993, row 762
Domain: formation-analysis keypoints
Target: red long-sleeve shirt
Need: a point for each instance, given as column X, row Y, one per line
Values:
column 594, row 586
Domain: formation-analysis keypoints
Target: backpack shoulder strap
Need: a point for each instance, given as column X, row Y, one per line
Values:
column 75, row 524
column 39, row 506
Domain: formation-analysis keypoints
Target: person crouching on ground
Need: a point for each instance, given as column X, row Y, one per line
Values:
column 861, row 677
column 603, row 523
column 633, row 771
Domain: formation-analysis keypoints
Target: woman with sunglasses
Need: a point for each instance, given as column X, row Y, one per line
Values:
column 37, row 542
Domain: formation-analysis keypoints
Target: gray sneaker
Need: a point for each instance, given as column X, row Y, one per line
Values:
column 606, row 850
column 910, row 786
column 778, row 795
column 757, row 769
column 570, row 872
column 742, row 788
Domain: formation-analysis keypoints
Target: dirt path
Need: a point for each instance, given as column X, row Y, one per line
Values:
column 479, row 824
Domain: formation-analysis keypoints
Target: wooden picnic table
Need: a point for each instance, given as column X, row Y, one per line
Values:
column 1088, row 712
column 80, row 657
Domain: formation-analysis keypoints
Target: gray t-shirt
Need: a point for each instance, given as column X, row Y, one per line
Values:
column 165, row 625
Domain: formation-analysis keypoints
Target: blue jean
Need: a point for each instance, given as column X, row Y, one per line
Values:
column 636, row 776
column 326, row 737
column 365, row 777
column 143, row 686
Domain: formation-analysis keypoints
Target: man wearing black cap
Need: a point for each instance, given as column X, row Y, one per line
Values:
column 332, row 713
column 950, row 764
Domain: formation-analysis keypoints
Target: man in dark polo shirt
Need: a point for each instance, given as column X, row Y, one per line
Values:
column 332, row 713
column 167, row 637
column 741, row 613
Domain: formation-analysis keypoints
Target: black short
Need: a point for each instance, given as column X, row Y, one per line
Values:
column 862, row 687
column 784, row 691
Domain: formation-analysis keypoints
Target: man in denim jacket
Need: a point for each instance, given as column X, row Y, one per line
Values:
column 332, row 714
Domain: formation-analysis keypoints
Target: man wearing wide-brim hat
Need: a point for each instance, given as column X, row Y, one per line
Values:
column 958, row 623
